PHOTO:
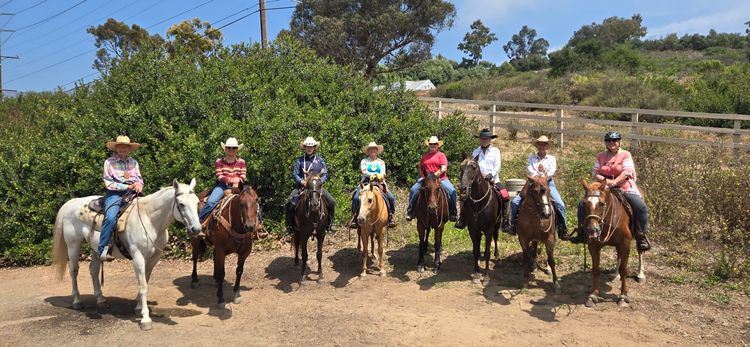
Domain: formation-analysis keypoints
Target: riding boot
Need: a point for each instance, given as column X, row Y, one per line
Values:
column 332, row 213
column 106, row 254
column 204, row 229
column 289, row 220
column 562, row 229
column 579, row 236
column 353, row 222
column 460, row 223
column 641, row 242
column 409, row 214
column 391, row 222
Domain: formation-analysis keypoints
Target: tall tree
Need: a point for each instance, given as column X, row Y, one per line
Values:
column 187, row 36
column 116, row 42
column 525, row 51
column 612, row 32
column 475, row 41
column 365, row 33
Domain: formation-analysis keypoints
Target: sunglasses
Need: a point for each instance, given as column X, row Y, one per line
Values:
column 433, row 144
column 232, row 148
column 608, row 141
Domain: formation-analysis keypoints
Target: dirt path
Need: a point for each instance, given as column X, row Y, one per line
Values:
column 403, row 308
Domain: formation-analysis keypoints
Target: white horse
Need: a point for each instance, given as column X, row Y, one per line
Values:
column 145, row 237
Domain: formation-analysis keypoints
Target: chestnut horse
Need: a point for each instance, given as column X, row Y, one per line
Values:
column 536, row 223
column 372, row 220
column 607, row 223
column 232, row 232
column 481, row 211
column 310, row 220
column 431, row 210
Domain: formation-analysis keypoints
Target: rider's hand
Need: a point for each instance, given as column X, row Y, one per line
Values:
column 137, row 187
column 611, row 183
column 540, row 168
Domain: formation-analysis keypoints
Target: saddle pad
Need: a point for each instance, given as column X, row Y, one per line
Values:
column 95, row 219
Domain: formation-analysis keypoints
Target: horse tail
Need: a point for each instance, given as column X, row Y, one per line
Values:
column 59, row 247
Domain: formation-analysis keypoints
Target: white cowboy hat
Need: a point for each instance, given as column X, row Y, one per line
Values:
column 433, row 139
column 542, row 139
column 122, row 140
column 232, row 142
column 372, row 144
column 309, row 142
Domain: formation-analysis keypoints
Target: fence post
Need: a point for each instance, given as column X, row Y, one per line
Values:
column 736, row 137
column 634, row 143
column 559, row 113
column 439, row 106
column 492, row 119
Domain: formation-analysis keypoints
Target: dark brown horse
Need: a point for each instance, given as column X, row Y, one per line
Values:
column 536, row 223
column 232, row 232
column 431, row 210
column 481, row 210
column 310, row 219
column 607, row 223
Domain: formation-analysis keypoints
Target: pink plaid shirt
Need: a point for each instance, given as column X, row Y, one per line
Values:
column 119, row 174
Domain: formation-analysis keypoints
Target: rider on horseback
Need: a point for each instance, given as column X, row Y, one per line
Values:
column 543, row 164
column 121, row 175
column 372, row 166
column 616, row 168
column 308, row 163
column 230, row 172
column 435, row 162
column 488, row 158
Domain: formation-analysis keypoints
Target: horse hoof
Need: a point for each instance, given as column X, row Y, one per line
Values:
column 146, row 326
column 486, row 282
column 195, row 285
column 363, row 274
column 556, row 287
column 640, row 278
column 237, row 300
column 476, row 280
column 622, row 303
column 222, row 305
column 590, row 303
column 420, row 269
column 77, row 306
column 321, row 280
column 382, row 273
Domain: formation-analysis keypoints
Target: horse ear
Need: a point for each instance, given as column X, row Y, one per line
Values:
column 584, row 184
column 531, row 179
column 175, row 184
column 192, row 183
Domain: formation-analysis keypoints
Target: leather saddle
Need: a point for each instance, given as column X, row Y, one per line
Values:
column 97, row 205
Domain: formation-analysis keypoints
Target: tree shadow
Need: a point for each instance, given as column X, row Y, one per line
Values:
column 120, row 309
column 205, row 295
column 283, row 270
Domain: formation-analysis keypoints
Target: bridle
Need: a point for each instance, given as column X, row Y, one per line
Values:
column 310, row 207
column 424, row 192
column 369, row 188
column 474, row 166
column 596, row 194
column 544, row 204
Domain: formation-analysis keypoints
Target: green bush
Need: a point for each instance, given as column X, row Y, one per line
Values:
column 53, row 144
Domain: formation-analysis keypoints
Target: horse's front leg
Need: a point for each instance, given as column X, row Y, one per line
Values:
column 549, row 246
column 422, row 246
column 241, row 257
column 623, row 252
column 319, row 256
column 476, row 239
column 641, row 277
column 365, row 237
column 487, row 246
column 380, row 253
column 595, row 251
column 438, row 247
column 196, row 250
column 219, row 275
column 305, row 255
column 139, row 267
column 527, row 262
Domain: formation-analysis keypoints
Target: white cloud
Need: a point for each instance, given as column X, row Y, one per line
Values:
column 489, row 11
column 728, row 20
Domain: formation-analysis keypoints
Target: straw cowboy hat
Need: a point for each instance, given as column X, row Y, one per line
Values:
column 372, row 144
column 122, row 140
column 232, row 142
column 309, row 142
column 541, row 139
column 485, row 133
column 433, row 139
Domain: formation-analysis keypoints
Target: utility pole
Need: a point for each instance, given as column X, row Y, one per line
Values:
column 263, row 36
column 4, row 56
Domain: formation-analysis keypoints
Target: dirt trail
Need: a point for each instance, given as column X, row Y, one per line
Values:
column 403, row 308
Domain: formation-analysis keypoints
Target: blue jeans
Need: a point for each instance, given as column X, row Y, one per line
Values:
column 112, row 201
column 556, row 198
column 216, row 194
column 390, row 197
column 447, row 186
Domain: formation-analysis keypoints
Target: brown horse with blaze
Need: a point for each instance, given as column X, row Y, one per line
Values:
column 536, row 223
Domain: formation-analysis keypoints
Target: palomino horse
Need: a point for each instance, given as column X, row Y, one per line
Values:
column 536, row 222
column 231, row 233
column 480, row 210
column 145, row 236
column 372, row 220
column 607, row 223
column 311, row 220
column 431, row 209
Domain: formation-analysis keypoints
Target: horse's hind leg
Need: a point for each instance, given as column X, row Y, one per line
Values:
column 219, row 275
column 495, row 236
column 476, row 238
column 241, row 257
column 196, row 247
column 381, row 267
column 319, row 256
column 74, row 250
column 641, row 277
column 549, row 246
column 296, row 241
column 623, row 252
column 527, row 260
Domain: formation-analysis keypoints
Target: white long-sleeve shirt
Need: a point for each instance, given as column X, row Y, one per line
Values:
column 489, row 162
column 549, row 165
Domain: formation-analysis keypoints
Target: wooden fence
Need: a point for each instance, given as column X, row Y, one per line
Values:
column 501, row 113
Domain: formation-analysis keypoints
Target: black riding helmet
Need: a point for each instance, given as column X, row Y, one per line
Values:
column 612, row 135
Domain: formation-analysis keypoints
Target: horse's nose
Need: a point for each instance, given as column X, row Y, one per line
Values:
column 250, row 226
column 360, row 220
column 196, row 229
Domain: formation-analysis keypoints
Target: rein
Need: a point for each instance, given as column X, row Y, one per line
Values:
column 309, row 209
column 610, row 226
column 445, row 198
column 476, row 201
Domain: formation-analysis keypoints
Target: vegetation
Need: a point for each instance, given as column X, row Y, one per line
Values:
column 475, row 41
column 525, row 51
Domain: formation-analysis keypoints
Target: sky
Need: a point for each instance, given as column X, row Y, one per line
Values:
column 54, row 49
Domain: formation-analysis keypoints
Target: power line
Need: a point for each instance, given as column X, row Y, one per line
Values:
column 52, row 16
column 180, row 14
column 7, row 2
column 30, row 7
column 65, row 24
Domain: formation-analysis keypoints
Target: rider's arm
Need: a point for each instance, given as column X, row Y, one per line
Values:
column 219, row 171
column 323, row 171
column 363, row 168
column 552, row 166
column 109, row 178
column 296, row 173
column 531, row 166
column 595, row 171
column 243, row 169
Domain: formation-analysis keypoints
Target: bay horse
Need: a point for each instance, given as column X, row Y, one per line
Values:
column 233, row 232
column 431, row 210
column 481, row 210
column 372, row 220
column 311, row 220
column 145, row 236
column 536, row 223
column 607, row 223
